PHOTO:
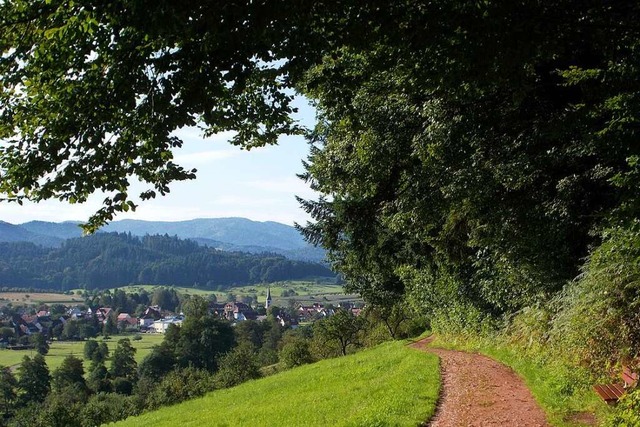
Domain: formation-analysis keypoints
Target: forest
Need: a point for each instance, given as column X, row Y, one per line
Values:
column 106, row 260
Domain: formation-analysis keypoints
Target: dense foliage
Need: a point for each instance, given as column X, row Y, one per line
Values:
column 111, row 259
column 480, row 159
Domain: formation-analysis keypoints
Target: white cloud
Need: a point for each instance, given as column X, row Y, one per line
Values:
column 204, row 157
column 289, row 184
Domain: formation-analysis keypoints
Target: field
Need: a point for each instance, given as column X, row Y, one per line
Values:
column 303, row 292
column 306, row 292
column 61, row 349
column 388, row 385
column 32, row 298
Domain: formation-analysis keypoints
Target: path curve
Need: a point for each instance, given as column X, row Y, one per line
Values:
column 478, row 391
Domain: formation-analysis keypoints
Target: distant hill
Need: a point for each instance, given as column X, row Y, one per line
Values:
column 17, row 233
column 228, row 234
column 61, row 230
column 105, row 260
column 236, row 231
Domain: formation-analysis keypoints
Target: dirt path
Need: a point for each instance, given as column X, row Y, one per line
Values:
column 478, row 391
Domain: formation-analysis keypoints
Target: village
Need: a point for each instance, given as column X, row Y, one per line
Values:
column 78, row 322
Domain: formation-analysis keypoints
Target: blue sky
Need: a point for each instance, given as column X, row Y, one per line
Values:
column 260, row 184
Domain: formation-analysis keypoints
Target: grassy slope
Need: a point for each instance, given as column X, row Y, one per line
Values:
column 555, row 386
column 388, row 385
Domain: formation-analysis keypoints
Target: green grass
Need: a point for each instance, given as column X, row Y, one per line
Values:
column 61, row 349
column 13, row 357
column 564, row 392
column 389, row 385
column 34, row 298
column 307, row 292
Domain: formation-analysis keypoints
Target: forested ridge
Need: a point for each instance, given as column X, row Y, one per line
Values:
column 115, row 259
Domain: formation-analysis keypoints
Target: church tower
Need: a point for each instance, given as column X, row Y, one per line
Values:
column 267, row 303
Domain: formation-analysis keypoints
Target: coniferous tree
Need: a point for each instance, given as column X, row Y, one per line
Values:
column 34, row 380
column 8, row 391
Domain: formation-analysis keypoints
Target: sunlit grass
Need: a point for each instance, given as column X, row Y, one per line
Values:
column 390, row 385
column 61, row 349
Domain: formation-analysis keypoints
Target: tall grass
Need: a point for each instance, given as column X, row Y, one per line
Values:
column 389, row 385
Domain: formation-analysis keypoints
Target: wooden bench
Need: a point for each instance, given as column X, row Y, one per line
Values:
column 611, row 393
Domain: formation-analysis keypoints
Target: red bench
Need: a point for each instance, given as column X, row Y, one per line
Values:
column 611, row 393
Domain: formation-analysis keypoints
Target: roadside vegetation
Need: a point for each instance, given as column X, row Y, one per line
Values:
column 390, row 384
column 562, row 389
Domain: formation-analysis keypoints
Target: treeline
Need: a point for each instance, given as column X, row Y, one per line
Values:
column 116, row 259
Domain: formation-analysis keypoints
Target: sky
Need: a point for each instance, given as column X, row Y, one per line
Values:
column 260, row 184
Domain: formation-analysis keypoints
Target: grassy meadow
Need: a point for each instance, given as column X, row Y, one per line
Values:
column 61, row 349
column 391, row 384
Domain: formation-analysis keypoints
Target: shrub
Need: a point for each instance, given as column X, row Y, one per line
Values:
column 105, row 408
column 600, row 321
column 627, row 412
column 236, row 367
column 295, row 352
column 180, row 385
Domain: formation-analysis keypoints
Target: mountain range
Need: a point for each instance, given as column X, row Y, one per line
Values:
column 229, row 234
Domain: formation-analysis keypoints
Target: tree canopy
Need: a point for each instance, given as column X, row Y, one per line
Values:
column 93, row 91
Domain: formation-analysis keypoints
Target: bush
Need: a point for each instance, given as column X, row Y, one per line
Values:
column 295, row 353
column 627, row 412
column 180, row 385
column 105, row 408
column 236, row 367
column 600, row 321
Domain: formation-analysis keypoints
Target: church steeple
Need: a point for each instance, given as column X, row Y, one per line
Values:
column 267, row 303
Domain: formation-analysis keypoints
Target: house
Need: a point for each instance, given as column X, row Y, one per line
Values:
column 26, row 325
column 311, row 312
column 126, row 318
column 103, row 314
column 287, row 321
column 217, row 309
column 150, row 315
column 161, row 326
column 75, row 312
column 239, row 311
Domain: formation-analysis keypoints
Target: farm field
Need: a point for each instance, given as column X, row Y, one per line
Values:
column 391, row 384
column 304, row 292
column 61, row 349
column 307, row 292
column 32, row 298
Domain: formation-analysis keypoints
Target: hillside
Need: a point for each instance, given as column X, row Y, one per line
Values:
column 236, row 231
column 228, row 234
column 18, row 233
column 115, row 259
column 388, row 385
